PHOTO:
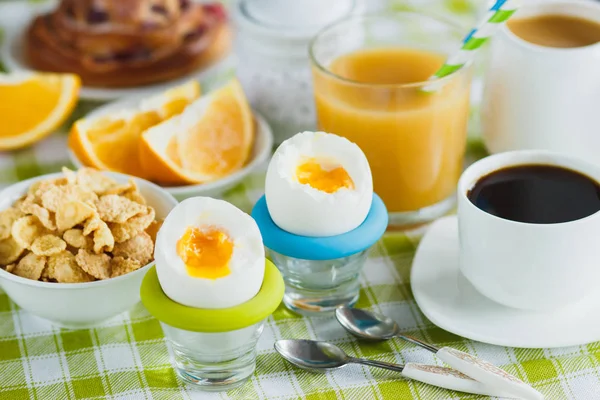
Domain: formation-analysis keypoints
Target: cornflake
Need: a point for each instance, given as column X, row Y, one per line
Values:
column 63, row 268
column 135, row 195
column 70, row 176
column 31, row 266
column 79, row 227
column 26, row 203
column 26, row 229
column 10, row 251
column 103, row 239
column 46, row 245
column 55, row 196
column 97, row 265
column 17, row 204
column 45, row 217
column 7, row 219
column 73, row 213
column 153, row 228
column 75, row 238
column 133, row 226
column 91, row 225
column 40, row 187
column 115, row 208
column 94, row 180
column 138, row 248
column 129, row 191
column 121, row 266
column 122, row 189
column 37, row 186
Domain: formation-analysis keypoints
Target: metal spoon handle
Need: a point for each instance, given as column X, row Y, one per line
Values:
column 379, row 364
column 419, row 343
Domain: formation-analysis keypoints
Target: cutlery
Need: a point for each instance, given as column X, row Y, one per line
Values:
column 372, row 326
column 319, row 356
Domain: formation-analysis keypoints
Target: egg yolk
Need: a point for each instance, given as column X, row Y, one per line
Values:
column 206, row 252
column 312, row 173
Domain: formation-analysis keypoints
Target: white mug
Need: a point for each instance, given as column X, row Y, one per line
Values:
column 526, row 265
column 540, row 97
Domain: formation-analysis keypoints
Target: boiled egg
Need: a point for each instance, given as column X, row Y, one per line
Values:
column 209, row 254
column 318, row 184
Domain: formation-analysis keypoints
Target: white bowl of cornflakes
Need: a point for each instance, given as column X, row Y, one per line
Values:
column 75, row 246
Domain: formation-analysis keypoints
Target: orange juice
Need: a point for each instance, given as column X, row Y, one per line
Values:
column 414, row 140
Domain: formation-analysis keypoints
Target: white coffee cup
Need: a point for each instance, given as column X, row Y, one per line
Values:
column 526, row 265
column 539, row 97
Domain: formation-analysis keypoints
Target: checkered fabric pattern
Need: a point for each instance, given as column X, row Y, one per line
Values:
column 128, row 358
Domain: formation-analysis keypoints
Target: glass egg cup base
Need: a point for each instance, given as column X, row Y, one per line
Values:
column 216, row 376
column 214, row 361
column 315, row 287
column 317, row 302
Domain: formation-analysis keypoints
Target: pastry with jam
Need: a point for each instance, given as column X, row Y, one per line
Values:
column 125, row 43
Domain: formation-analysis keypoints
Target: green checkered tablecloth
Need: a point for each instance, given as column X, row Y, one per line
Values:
column 128, row 358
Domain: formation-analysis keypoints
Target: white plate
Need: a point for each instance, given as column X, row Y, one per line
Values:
column 452, row 303
column 15, row 17
column 261, row 150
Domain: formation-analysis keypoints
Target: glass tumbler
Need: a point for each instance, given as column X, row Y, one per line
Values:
column 370, row 76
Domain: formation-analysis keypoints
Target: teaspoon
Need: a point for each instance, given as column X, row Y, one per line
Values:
column 319, row 356
column 372, row 326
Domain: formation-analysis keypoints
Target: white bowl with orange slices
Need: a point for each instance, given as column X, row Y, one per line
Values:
column 191, row 145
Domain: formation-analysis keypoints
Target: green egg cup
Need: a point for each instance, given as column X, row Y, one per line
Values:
column 213, row 320
column 214, row 349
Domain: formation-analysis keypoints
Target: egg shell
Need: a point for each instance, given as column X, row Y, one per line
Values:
column 303, row 210
column 247, row 263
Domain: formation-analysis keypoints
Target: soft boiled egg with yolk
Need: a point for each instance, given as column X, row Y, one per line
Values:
column 318, row 184
column 209, row 254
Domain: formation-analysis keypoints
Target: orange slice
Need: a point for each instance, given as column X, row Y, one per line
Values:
column 212, row 138
column 112, row 142
column 33, row 105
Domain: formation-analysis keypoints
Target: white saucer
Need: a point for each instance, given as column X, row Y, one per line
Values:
column 449, row 301
column 261, row 151
column 15, row 17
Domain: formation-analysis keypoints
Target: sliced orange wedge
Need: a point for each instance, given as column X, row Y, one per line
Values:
column 112, row 142
column 212, row 138
column 33, row 105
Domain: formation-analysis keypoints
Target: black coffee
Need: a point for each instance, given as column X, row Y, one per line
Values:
column 539, row 194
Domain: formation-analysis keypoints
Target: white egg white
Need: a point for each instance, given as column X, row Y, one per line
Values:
column 247, row 263
column 306, row 211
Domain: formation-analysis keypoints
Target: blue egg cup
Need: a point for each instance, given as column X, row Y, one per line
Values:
column 320, row 273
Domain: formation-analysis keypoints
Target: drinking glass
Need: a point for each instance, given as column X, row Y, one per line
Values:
column 413, row 134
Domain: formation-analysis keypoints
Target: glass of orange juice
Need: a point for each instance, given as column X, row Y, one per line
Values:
column 371, row 86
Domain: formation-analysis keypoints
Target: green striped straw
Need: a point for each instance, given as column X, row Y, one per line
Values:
column 501, row 11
